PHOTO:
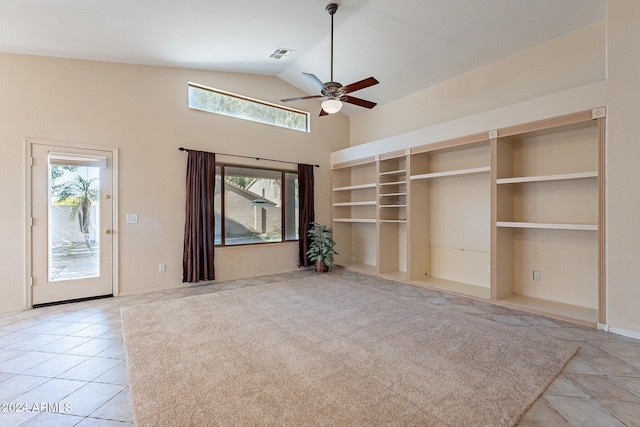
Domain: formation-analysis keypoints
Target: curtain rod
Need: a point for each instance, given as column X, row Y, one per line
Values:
column 245, row 157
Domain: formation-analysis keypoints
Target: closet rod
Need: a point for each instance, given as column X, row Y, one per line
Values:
column 245, row 157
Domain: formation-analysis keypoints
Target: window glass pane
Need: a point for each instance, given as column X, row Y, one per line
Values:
column 217, row 207
column 291, row 206
column 228, row 104
column 253, row 205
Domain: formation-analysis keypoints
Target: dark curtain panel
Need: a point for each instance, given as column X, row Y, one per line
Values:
column 199, row 227
column 306, row 212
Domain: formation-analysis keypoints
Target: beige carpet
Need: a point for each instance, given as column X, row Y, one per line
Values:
column 329, row 352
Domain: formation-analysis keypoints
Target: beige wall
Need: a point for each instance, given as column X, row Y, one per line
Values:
column 142, row 111
column 595, row 66
column 566, row 62
column 623, row 161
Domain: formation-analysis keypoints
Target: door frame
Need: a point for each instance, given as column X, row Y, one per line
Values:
column 28, row 218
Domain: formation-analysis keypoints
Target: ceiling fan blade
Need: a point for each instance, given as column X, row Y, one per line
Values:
column 323, row 113
column 357, row 101
column 316, row 80
column 301, row 98
column 370, row 81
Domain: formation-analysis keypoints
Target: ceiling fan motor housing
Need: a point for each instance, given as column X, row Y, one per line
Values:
column 332, row 89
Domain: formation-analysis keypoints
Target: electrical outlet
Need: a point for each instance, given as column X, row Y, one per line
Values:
column 536, row 275
column 161, row 268
column 369, row 251
column 488, row 268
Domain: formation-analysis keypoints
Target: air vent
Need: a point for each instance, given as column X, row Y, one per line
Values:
column 281, row 53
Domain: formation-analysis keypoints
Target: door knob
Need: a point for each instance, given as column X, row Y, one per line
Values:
column 107, row 231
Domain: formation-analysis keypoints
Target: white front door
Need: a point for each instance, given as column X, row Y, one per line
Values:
column 72, row 217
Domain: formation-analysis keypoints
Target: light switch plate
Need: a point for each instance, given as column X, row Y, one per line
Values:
column 132, row 218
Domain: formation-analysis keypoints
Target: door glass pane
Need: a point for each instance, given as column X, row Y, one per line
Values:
column 74, row 240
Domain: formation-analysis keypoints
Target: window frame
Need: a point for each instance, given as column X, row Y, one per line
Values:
column 306, row 114
column 283, row 201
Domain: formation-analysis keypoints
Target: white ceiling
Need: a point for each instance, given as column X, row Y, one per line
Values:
column 408, row 45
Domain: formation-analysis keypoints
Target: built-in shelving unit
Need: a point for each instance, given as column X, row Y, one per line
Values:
column 354, row 186
column 513, row 215
column 547, row 209
column 450, row 246
column 392, row 214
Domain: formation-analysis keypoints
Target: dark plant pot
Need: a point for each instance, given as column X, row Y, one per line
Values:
column 321, row 267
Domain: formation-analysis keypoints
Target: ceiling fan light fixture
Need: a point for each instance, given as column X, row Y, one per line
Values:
column 331, row 106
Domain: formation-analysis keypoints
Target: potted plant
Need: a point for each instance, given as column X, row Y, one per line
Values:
column 321, row 250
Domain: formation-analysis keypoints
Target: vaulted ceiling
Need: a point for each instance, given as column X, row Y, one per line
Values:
column 408, row 45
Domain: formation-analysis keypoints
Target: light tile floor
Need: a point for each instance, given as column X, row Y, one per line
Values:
column 71, row 359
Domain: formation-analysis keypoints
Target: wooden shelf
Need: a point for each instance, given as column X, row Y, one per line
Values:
column 456, row 288
column 401, row 276
column 382, row 184
column 397, row 172
column 392, row 194
column 355, row 187
column 393, row 206
column 358, row 266
column 461, row 172
column 364, row 220
column 543, row 178
column 555, row 309
column 393, row 220
column 363, row 203
column 548, row 226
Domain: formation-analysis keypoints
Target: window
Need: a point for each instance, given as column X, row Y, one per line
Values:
column 249, row 205
column 229, row 104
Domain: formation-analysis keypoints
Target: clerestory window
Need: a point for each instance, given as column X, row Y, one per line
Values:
column 230, row 104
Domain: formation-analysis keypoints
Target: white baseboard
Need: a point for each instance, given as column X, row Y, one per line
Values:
column 13, row 309
column 626, row 333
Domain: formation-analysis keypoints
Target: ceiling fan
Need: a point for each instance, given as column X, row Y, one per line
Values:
column 334, row 92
